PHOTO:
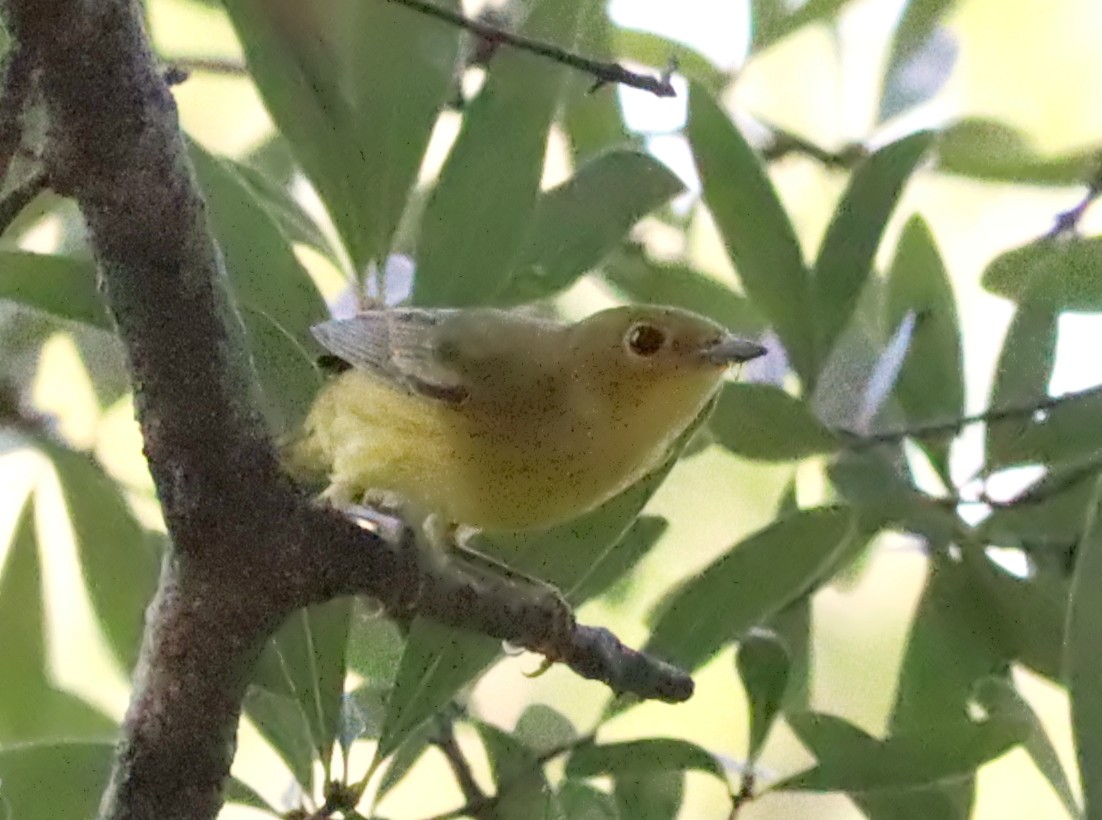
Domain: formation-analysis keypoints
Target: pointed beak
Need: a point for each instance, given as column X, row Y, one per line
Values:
column 733, row 350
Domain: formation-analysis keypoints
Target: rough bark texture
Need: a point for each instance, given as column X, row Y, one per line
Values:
column 247, row 546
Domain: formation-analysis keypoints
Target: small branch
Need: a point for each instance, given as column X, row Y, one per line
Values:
column 1067, row 222
column 785, row 142
column 603, row 73
column 744, row 795
column 208, row 65
column 447, row 744
column 859, row 441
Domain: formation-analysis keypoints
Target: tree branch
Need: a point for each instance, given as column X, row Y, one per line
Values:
column 247, row 546
column 603, row 73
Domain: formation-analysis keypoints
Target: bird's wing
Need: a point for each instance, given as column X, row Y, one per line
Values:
column 398, row 345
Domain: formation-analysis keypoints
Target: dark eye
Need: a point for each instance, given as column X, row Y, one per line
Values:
column 645, row 340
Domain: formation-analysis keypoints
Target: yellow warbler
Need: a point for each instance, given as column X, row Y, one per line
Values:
column 501, row 421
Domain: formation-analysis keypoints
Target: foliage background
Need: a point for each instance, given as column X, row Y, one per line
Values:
column 1027, row 65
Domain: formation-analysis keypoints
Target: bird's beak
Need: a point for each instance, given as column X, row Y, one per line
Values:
column 733, row 350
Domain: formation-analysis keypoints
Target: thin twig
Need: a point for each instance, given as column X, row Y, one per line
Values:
column 785, row 142
column 446, row 742
column 209, row 65
column 859, row 441
column 744, row 795
column 1067, row 222
column 603, row 73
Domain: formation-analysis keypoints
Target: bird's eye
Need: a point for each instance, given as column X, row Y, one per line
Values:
column 645, row 340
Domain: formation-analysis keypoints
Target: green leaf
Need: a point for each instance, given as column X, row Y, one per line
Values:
column 375, row 643
column 615, row 563
column 53, row 780
column 311, row 645
column 991, row 150
column 848, row 250
column 1053, row 273
column 1030, row 613
column 657, row 51
column 577, row 224
column 117, row 560
column 476, row 218
column 523, row 790
column 1083, row 661
column 792, row 625
column 930, row 387
column 407, row 754
column 763, row 665
column 580, row 801
column 999, row 695
column 542, row 729
column 593, row 121
column 773, row 20
column 277, row 299
column 763, row 422
column 31, row 709
column 282, row 723
column 853, row 762
column 1023, row 373
column 915, row 73
column 642, row 757
column 355, row 88
column 643, row 281
column 758, row 234
column 649, row 796
column 1048, row 516
column 61, row 286
column 751, row 582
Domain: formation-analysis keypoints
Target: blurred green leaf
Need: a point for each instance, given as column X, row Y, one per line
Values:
column 930, row 388
column 751, row 582
column 1030, row 613
column 407, row 754
column 49, row 781
column 792, row 625
column 363, row 711
column 849, row 247
column 355, row 88
column 616, row 562
column 580, row 801
column 277, row 299
column 638, row 757
column 852, row 762
column 754, row 226
column 31, row 709
column 657, row 51
column 649, row 795
column 1052, row 273
column 921, row 57
column 119, row 566
column 991, row 150
column 593, row 121
column 61, row 286
column 577, row 224
column 542, row 729
column 763, row 665
column 644, row 281
column 773, row 19
column 999, row 695
column 1083, row 661
column 311, row 645
column 522, row 789
column 474, row 224
column 1023, row 373
column 763, row 422
column 282, row 723
column 375, row 643
column 1047, row 515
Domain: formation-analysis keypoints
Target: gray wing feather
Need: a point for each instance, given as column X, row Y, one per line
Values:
column 396, row 345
